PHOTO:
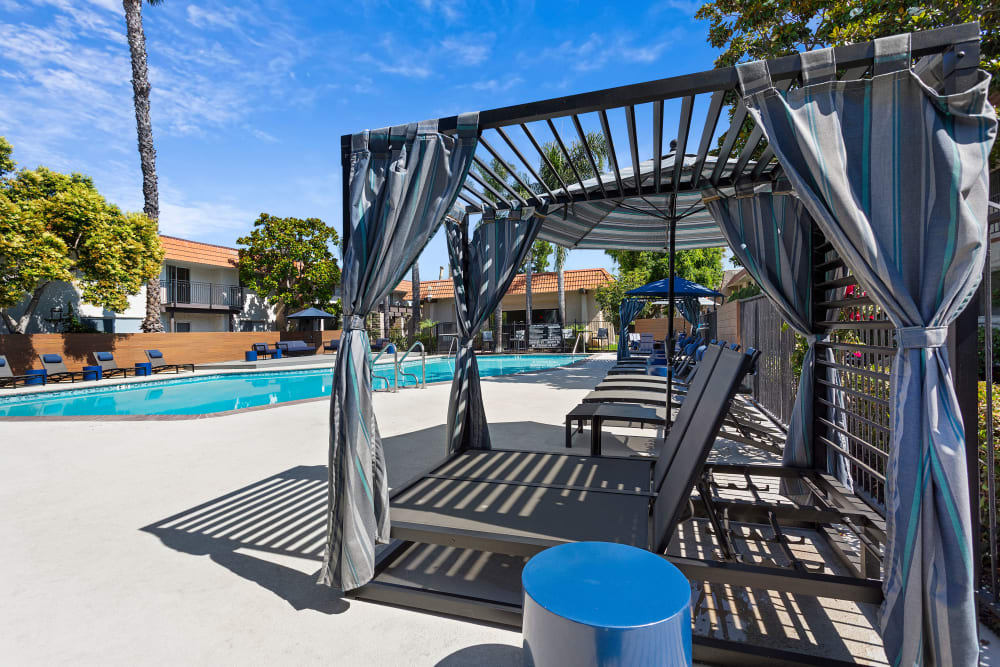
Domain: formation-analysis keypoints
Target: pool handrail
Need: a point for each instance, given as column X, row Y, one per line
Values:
column 395, row 368
column 423, row 366
column 577, row 342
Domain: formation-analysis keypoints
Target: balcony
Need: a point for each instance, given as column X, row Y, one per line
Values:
column 194, row 295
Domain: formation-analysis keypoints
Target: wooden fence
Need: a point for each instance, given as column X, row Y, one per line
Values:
column 77, row 350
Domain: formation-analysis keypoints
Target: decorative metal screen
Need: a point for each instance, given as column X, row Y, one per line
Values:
column 762, row 328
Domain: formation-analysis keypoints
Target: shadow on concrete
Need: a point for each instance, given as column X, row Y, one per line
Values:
column 282, row 515
column 498, row 655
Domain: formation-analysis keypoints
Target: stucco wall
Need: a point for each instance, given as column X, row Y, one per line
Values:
column 728, row 322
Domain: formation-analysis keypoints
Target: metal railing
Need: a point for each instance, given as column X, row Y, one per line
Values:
column 775, row 384
column 395, row 370
column 196, row 293
column 423, row 366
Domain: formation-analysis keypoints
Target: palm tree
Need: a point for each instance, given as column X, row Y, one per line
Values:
column 147, row 154
column 561, row 253
column 415, row 286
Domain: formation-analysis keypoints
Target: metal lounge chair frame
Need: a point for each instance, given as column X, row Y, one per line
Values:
column 155, row 358
column 7, row 377
column 56, row 371
column 109, row 367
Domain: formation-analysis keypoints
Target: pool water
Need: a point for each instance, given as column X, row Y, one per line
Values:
column 198, row 395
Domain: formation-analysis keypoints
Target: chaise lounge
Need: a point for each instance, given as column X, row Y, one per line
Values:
column 7, row 377
column 263, row 350
column 109, row 368
column 295, row 348
column 155, row 358
column 56, row 371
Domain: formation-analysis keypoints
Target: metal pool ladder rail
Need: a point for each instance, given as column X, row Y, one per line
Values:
column 422, row 382
column 395, row 370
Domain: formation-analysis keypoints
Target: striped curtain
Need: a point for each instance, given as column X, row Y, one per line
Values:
column 770, row 232
column 482, row 271
column 403, row 181
column 628, row 310
column 895, row 174
column 690, row 309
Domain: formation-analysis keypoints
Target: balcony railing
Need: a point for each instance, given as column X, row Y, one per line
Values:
column 195, row 294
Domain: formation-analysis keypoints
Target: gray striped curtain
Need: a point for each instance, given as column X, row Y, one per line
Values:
column 628, row 310
column 895, row 175
column 770, row 232
column 482, row 271
column 690, row 309
column 403, row 181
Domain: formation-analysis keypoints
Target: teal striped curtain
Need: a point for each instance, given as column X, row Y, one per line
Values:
column 895, row 174
column 403, row 181
column 482, row 271
column 628, row 310
column 770, row 232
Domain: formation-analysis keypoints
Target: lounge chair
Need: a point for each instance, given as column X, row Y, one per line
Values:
column 109, row 368
column 56, row 371
column 332, row 346
column 262, row 350
column 645, row 343
column 295, row 348
column 155, row 358
column 486, row 342
column 7, row 377
column 627, row 500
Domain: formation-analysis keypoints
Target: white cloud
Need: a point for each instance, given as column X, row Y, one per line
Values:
column 497, row 85
column 402, row 66
column 599, row 50
column 469, row 49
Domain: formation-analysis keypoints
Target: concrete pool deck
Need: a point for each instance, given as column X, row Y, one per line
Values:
column 88, row 580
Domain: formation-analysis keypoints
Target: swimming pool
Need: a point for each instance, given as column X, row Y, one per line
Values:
column 199, row 395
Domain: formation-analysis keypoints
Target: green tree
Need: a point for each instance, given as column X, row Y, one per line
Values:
column 147, row 154
column 290, row 263
column 57, row 227
column 7, row 164
column 703, row 265
column 610, row 295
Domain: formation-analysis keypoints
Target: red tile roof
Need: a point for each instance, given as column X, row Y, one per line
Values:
column 195, row 252
column 575, row 279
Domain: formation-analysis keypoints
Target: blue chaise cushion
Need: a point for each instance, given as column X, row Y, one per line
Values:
column 154, row 354
column 104, row 356
column 3, row 362
column 51, row 358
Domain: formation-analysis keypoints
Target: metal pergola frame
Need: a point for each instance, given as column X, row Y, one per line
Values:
column 755, row 162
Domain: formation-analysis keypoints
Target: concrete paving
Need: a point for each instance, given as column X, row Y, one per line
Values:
column 99, row 569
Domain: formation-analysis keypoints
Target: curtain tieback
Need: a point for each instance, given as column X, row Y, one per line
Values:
column 354, row 323
column 919, row 337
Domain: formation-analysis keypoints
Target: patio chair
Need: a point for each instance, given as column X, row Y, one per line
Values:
column 602, row 337
column 263, row 350
column 518, row 340
column 56, row 371
column 295, row 348
column 109, row 368
column 627, row 500
column 486, row 342
column 7, row 377
column 332, row 346
column 645, row 343
column 155, row 358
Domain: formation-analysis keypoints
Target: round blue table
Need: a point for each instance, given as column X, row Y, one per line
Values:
column 596, row 603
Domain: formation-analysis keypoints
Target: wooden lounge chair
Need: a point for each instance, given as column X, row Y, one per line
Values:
column 155, row 358
column 56, row 371
column 109, row 368
column 7, row 377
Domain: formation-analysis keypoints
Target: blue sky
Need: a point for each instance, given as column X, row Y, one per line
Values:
column 250, row 98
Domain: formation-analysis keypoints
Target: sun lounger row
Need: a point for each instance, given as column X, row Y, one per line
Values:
column 56, row 370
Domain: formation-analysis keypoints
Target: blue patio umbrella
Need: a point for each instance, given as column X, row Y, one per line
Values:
column 310, row 313
column 661, row 289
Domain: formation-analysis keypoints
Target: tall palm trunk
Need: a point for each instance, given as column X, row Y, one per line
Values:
column 386, row 325
column 561, row 253
column 415, row 315
column 498, row 327
column 527, row 304
column 147, row 154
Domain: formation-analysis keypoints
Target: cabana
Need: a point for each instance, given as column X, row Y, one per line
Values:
column 864, row 164
column 310, row 318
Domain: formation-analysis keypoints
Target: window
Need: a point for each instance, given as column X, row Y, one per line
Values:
column 182, row 327
column 538, row 316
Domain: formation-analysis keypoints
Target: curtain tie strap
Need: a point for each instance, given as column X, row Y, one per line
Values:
column 354, row 323
column 920, row 337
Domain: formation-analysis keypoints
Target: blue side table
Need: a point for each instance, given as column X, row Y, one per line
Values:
column 143, row 368
column 250, row 355
column 276, row 354
column 92, row 373
column 41, row 374
column 597, row 603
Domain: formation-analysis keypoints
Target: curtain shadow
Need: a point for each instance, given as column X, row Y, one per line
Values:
column 499, row 655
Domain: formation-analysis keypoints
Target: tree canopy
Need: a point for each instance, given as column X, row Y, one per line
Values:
column 290, row 262
column 703, row 266
column 57, row 227
column 609, row 296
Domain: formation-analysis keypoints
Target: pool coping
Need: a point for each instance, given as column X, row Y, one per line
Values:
column 224, row 413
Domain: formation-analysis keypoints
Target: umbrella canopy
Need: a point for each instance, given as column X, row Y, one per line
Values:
column 640, row 222
column 682, row 288
column 310, row 313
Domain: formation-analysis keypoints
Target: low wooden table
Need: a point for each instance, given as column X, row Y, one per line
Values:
column 619, row 412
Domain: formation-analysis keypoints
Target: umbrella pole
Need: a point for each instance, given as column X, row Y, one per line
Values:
column 668, row 344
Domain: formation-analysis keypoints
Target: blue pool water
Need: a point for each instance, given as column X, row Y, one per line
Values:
column 218, row 393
